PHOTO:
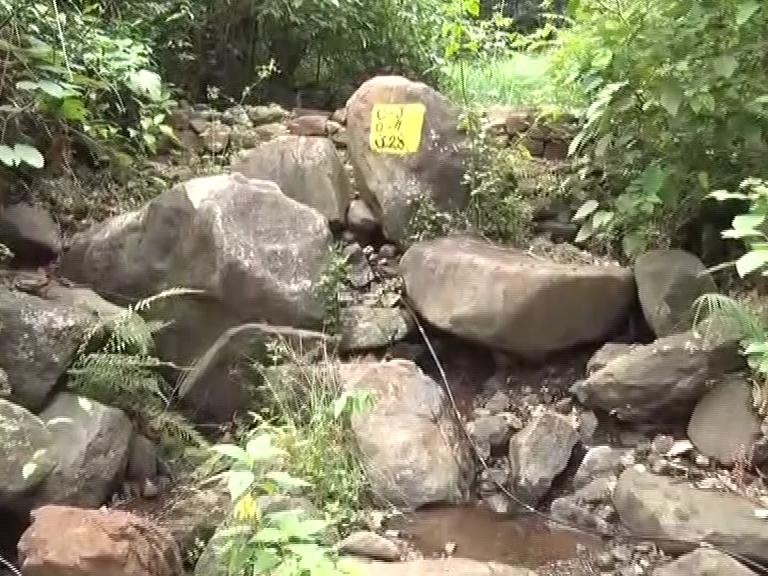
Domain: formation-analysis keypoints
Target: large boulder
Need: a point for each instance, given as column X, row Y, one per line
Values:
column 90, row 444
column 256, row 253
column 539, row 453
column 307, row 169
column 724, row 425
column 411, row 448
column 443, row 567
column 38, row 340
column 668, row 284
column 704, row 562
column 391, row 182
column 508, row 299
column 64, row 541
column 652, row 506
column 663, row 380
column 25, row 451
column 30, row 232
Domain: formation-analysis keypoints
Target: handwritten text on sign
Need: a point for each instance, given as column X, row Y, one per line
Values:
column 396, row 128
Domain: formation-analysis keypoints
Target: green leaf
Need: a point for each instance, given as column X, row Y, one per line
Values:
column 261, row 448
column 29, row 155
column 745, row 11
column 53, row 89
column 601, row 219
column 725, row 65
column 27, row 85
column 269, row 534
column 28, row 469
column 748, row 222
column 751, row 261
column 671, row 97
column 7, row 156
column 146, row 83
column 632, row 244
column 721, row 195
column 239, row 482
column 286, row 480
column 72, row 109
column 265, row 561
column 585, row 210
column 232, row 451
column 585, row 232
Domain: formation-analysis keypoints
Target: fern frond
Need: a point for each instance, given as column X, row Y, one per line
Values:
column 173, row 425
column 735, row 314
column 143, row 305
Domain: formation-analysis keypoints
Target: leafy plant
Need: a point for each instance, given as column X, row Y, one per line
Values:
column 678, row 108
column 749, row 322
column 332, row 288
column 279, row 543
column 116, row 365
column 305, row 400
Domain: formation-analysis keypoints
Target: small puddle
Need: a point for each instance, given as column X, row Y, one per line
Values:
column 483, row 535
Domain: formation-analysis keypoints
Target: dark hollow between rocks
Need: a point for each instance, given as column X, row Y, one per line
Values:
column 483, row 535
column 12, row 526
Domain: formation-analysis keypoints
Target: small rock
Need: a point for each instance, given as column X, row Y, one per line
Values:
column 216, row 137
column 489, row 432
column 31, row 233
column 266, row 114
column 308, row 126
column 142, row 459
column 498, row 502
column 539, row 453
column 598, row 461
column 365, row 328
column 371, row 545
column 724, row 423
column 150, row 489
column 498, row 402
column 361, row 274
column 704, row 562
column 361, row 220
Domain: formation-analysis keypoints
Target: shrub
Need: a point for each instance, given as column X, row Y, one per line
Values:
column 678, row 108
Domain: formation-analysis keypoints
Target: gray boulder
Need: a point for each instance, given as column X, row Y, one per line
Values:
column 38, row 340
column 390, row 183
column 365, row 328
column 668, row 284
column 652, row 506
column 663, row 380
column 307, row 169
column 411, row 448
column 704, row 562
column 511, row 300
column 26, row 457
column 90, row 444
column 539, row 453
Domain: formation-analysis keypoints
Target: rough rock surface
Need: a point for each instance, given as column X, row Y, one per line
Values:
column 411, row 448
column 24, row 442
column 443, row 567
column 539, row 453
column 390, row 183
column 703, row 562
column 668, row 284
column 369, row 545
column 306, row 169
column 724, row 424
column 257, row 254
column 599, row 461
column 90, row 442
column 64, row 541
column 508, row 299
column 663, row 507
column 663, row 380
column 365, row 327
column 30, row 232
column 606, row 354
column 38, row 339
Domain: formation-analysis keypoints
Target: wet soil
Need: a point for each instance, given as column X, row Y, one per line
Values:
column 480, row 534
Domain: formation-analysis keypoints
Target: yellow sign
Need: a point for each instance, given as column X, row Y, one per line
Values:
column 396, row 128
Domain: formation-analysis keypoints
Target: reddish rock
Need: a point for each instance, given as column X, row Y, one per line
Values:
column 65, row 541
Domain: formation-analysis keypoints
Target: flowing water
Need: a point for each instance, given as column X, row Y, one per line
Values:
column 481, row 534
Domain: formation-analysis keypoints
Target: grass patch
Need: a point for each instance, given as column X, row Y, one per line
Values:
column 520, row 79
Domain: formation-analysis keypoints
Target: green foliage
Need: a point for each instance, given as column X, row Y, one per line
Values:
column 116, row 365
column 333, row 289
column 279, row 543
column 305, row 401
column 750, row 228
column 75, row 74
column 301, row 447
column 678, row 108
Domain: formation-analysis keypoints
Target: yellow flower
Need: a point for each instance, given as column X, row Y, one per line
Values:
column 246, row 509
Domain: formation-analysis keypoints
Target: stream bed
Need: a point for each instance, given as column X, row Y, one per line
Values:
column 481, row 534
